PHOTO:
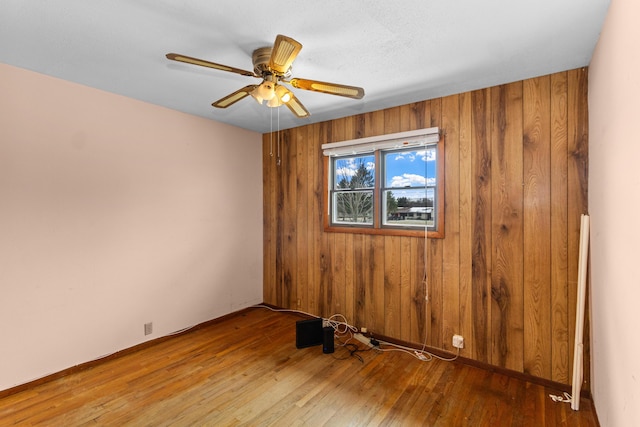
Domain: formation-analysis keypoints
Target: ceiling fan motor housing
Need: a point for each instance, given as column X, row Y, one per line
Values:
column 261, row 57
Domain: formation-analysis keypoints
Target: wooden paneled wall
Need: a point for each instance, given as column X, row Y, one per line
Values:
column 504, row 276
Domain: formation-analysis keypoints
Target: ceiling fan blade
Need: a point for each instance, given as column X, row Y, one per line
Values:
column 296, row 107
column 203, row 63
column 330, row 88
column 234, row 97
column 285, row 50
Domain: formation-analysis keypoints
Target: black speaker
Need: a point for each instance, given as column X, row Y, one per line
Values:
column 309, row 332
column 327, row 339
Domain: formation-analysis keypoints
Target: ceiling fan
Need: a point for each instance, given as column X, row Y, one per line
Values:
column 273, row 66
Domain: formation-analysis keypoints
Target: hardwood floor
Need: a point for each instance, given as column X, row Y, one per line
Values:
column 246, row 370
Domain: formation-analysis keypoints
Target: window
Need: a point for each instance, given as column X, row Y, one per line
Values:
column 386, row 185
column 353, row 187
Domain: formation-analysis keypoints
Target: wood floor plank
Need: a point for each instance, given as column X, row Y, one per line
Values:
column 246, row 371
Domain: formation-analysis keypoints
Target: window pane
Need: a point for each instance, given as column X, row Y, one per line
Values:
column 409, row 207
column 354, row 172
column 410, row 168
column 353, row 207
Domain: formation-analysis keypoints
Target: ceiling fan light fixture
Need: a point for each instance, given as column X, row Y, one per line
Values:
column 283, row 94
column 266, row 90
column 274, row 102
column 258, row 99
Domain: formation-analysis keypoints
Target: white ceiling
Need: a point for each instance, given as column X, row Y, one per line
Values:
column 399, row 51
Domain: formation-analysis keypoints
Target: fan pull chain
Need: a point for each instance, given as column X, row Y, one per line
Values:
column 279, row 159
column 271, row 135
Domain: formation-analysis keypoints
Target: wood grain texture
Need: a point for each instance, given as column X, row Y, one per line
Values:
column 245, row 370
column 287, row 144
column 419, row 291
column 503, row 276
column 392, row 290
column 451, row 307
column 507, row 316
column 481, row 224
column 405, row 289
column 301, row 281
column 537, row 226
column 577, row 176
column 559, row 217
column 465, row 223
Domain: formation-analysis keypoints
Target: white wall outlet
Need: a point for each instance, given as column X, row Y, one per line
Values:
column 458, row 341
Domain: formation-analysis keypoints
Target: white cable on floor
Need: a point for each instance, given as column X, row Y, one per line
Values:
column 566, row 397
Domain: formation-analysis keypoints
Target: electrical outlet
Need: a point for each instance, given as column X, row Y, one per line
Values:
column 458, row 341
column 148, row 328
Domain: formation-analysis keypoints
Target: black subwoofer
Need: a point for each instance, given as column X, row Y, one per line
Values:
column 327, row 339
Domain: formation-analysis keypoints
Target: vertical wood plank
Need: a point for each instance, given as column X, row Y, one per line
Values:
column 269, row 215
column 288, row 169
column 392, row 297
column 537, row 226
column 481, row 229
column 435, row 262
column 561, row 367
column 377, row 284
column 412, row 116
column 405, row 289
column 392, row 120
column 301, row 281
column 336, row 301
column 418, row 290
column 451, row 244
column 507, row 315
column 374, row 123
column 323, row 239
column 359, row 257
column 434, row 283
column 374, row 283
column 465, row 225
column 315, row 174
column 578, row 169
column 349, row 284
column 420, row 307
column 280, row 226
column 435, row 110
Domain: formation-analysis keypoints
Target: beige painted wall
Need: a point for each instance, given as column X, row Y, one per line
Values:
column 614, row 204
column 115, row 213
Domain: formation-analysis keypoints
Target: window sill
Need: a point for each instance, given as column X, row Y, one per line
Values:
column 385, row 232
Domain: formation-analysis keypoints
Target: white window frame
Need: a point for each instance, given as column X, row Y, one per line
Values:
column 376, row 145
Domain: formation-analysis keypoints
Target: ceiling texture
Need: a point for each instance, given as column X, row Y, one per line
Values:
column 399, row 51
